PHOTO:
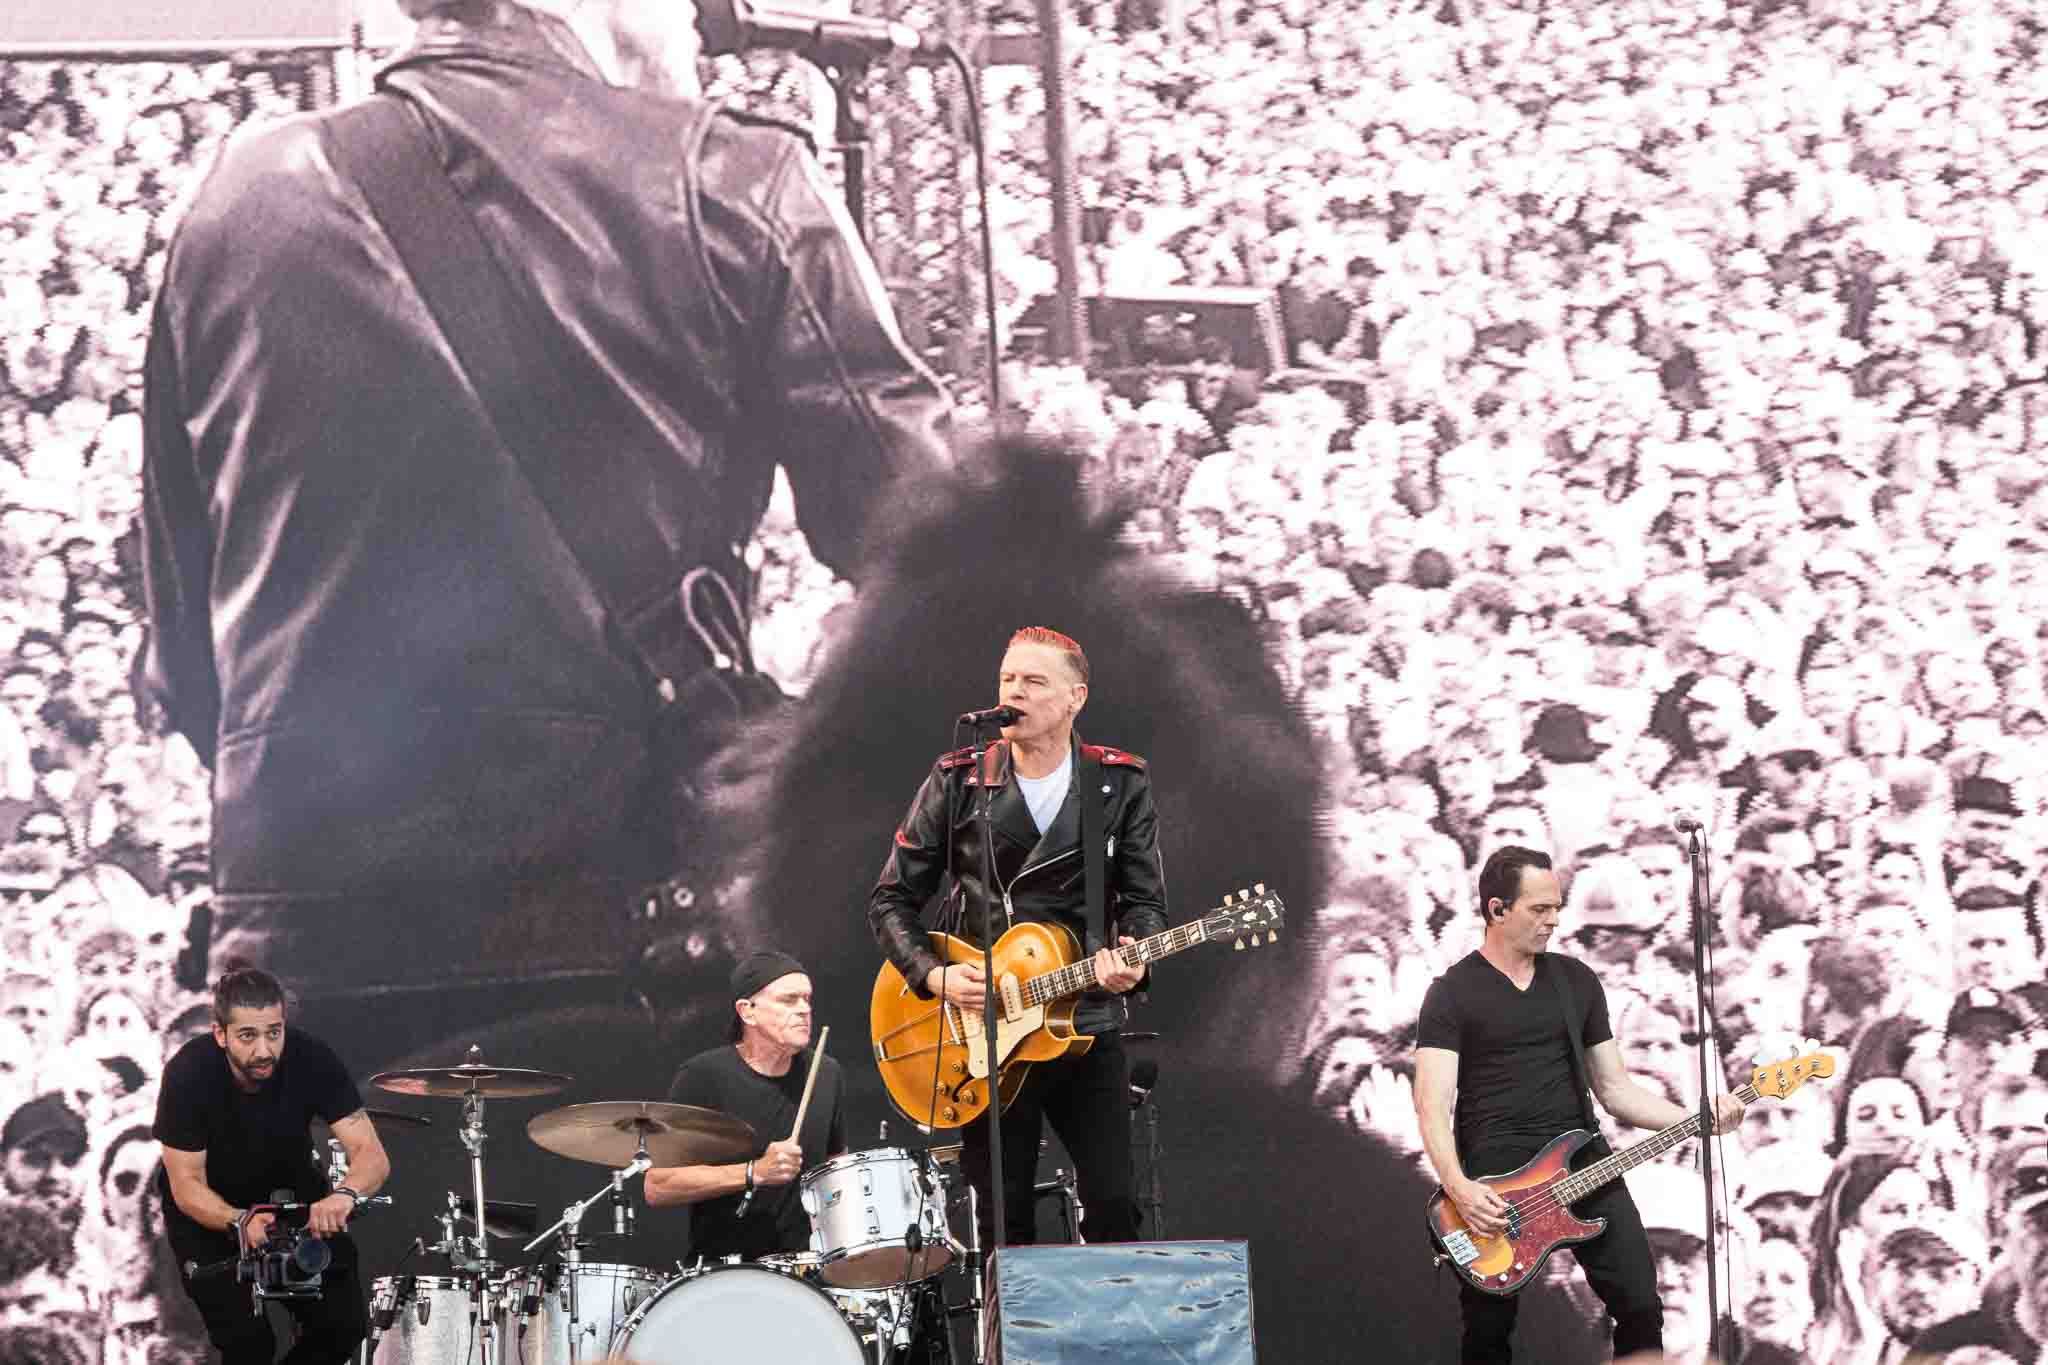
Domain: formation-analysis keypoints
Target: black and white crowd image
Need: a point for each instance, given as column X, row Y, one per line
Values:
column 1654, row 436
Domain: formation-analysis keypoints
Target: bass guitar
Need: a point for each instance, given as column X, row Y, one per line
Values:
column 933, row 1055
column 1539, row 1194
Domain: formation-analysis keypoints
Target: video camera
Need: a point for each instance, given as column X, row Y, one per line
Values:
column 288, row 1264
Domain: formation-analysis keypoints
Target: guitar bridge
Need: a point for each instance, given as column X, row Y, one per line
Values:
column 1460, row 1246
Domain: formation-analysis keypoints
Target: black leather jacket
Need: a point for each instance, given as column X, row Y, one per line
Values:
column 1038, row 878
column 362, row 619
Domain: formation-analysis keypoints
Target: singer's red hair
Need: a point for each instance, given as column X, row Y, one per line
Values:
column 1065, row 644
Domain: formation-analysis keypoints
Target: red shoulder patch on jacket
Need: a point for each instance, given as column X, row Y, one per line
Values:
column 1120, row 758
column 958, row 758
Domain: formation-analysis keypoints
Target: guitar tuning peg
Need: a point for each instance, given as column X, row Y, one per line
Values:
column 1259, row 887
column 1239, row 948
column 1243, row 894
column 1274, row 937
column 1228, row 898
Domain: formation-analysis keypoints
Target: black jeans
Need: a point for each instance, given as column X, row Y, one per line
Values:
column 1618, row 1265
column 1087, row 1098
column 330, row 1327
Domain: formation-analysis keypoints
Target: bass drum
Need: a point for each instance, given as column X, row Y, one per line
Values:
column 738, row 1312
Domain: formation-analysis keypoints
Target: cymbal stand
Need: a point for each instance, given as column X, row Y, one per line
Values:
column 570, row 1224
column 475, row 1262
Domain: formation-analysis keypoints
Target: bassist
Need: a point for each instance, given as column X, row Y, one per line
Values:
column 1038, row 778
column 1492, row 1035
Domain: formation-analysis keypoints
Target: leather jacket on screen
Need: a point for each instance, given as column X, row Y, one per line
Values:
column 361, row 617
column 1038, row 877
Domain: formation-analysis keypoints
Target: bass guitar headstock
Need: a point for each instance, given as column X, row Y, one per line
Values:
column 1780, row 1079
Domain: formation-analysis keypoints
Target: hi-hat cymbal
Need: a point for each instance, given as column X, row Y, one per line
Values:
column 610, row 1133
column 485, row 1082
column 503, row 1218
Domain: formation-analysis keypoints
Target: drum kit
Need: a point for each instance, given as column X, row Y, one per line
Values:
column 866, row 1292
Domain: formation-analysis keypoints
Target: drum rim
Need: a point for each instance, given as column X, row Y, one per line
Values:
column 608, row 1270
column 420, row 1282
column 865, row 1155
column 941, row 1252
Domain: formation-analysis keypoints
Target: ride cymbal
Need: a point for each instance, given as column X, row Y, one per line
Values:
column 471, row 1078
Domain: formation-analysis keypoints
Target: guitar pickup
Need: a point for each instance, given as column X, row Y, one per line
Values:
column 1461, row 1247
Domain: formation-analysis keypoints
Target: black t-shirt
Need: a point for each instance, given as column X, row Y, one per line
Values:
column 776, row 1221
column 255, row 1142
column 1515, row 1089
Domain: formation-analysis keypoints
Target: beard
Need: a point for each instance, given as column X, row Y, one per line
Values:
column 253, row 1080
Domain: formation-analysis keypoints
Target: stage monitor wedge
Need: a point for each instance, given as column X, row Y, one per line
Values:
column 1127, row 1303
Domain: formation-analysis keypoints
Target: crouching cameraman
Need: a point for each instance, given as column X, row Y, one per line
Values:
column 234, row 1117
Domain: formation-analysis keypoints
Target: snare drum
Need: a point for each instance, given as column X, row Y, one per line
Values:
column 580, row 1307
column 738, row 1312
column 862, row 1207
column 431, row 1324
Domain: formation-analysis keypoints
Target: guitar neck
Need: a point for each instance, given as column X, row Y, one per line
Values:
column 1581, row 1183
column 1076, row 977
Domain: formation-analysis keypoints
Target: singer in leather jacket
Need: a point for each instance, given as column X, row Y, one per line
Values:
column 1038, row 878
column 431, row 757
column 1039, row 875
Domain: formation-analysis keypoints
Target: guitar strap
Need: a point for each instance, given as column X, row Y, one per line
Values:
column 1094, row 848
column 1559, row 978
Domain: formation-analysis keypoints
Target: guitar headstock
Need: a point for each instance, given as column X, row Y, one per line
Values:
column 1780, row 1079
column 1242, row 918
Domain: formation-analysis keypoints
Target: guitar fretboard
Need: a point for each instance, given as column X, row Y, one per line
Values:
column 1579, row 1184
column 1080, row 976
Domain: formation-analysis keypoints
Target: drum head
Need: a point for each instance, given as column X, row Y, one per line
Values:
column 737, row 1313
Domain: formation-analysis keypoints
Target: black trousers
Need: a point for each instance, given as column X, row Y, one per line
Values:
column 1618, row 1265
column 1087, row 1099
column 330, row 1327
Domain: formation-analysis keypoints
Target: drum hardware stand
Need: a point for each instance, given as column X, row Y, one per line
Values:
column 1063, row 1186
column 570, row 1224
column 1154, row 1203
column 977, row 1286
column 473, row 1261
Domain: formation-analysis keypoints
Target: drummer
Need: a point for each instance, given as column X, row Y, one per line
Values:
column 758, row 1076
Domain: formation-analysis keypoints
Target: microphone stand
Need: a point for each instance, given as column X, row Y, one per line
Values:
column 1696, row 855
column 988, row 1001
column 848, row 77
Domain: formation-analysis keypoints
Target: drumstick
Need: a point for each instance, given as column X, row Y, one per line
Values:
column 809, row 1081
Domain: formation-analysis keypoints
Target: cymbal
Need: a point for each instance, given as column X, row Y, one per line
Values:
column 503, row 1218
column 609, row 1133
column 485, row 1082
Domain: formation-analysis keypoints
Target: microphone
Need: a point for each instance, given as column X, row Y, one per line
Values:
column 622, row 1209
column 827, row 39
column 1144, row 1075
column 994, row 715
column 1687, row 824
column 529, row 1300
column 401, row 1294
